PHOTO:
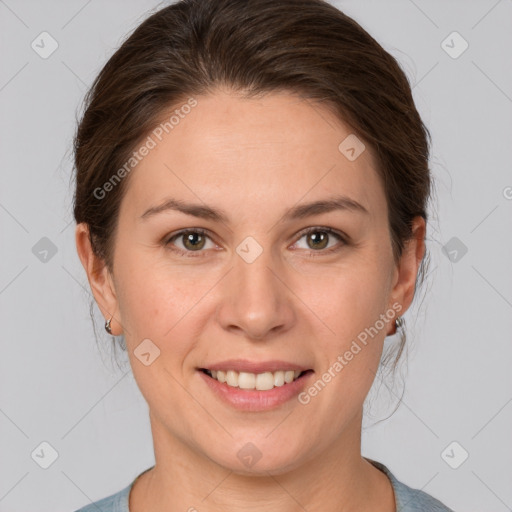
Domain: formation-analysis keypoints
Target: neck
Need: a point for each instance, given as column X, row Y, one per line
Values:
column 338, row 479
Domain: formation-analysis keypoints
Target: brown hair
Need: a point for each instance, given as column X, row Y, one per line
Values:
column 306, row 47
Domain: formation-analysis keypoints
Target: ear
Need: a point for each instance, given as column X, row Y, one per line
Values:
column 100, row 279
column 406, row 271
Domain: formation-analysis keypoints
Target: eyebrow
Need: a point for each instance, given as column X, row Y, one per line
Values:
column 297, row 212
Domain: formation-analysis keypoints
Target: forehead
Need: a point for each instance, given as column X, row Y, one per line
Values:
column 268, row 150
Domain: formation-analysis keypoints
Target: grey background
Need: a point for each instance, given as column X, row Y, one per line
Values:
column 58, row 386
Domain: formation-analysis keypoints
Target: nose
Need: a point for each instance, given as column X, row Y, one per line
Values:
column 256, row 300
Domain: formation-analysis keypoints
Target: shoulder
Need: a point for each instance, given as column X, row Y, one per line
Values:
column 414, row 500
column 117, row 502
column 409, row 499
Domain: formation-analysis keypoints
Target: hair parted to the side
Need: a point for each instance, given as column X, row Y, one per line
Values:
column 253, row 47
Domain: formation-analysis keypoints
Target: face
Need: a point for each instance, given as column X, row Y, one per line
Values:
column 242, row 275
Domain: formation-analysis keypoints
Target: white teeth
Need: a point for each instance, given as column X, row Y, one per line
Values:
column 288, row 376
column 261, row 381
column 278, row 378
column 264, row 381
column 246, row 380
column 232, row 378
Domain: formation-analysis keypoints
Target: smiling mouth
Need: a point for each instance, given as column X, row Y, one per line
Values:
column 255, row 381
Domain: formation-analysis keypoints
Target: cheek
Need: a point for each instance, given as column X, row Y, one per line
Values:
column 165, row 304
column 152, row 296
column 350, row 303
column 347, row 299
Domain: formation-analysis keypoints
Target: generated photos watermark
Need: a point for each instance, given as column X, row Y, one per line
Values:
column 150, row 143
column 344, row 359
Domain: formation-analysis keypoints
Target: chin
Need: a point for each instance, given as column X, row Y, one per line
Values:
column 261, row 457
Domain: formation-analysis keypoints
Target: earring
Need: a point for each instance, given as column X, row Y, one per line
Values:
column 399, row 322
column 107, row 325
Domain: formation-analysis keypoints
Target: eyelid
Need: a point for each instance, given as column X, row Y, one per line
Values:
column 327, row 229
column 167, row 240
column 343, row 238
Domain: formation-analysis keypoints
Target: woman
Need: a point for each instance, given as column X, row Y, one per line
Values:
column 251, row 195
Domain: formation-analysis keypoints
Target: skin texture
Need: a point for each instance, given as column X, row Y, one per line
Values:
column 254, row 159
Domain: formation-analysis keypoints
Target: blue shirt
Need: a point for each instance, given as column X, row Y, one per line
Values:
column 406, row 498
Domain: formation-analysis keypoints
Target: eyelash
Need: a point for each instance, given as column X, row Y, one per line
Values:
column 313, row 253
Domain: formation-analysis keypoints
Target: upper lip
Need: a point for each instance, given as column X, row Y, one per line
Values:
column 244, row 365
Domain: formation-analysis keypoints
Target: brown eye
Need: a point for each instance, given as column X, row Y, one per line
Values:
column 189, row 241
column 318, row 240
column 193, row 241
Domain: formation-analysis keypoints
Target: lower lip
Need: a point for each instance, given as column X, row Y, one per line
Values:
column 254, row 400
